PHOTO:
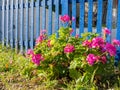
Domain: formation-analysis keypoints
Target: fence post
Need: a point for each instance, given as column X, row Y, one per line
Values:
column 0, row 20
column 11, row 23
column 90, row 15
column 26, row 17
column 56, row 16
column 21, row 25
column 64, row 7
column 2, row 24
column 118, row 22
column 37, row 3
column 109, row 18
column 43, row 14
column 7, row 22
column 50, row 17
column 74, row 15
column 31, row 24
column 81, row 19
column 16, row 24
column 117, row 57
column 99, row 16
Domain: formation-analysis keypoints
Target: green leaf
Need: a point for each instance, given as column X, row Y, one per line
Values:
column 94, row 72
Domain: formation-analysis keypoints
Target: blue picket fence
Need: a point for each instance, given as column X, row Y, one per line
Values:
column 22, row 20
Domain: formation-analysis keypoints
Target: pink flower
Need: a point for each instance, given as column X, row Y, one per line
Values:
column 106, row 31
column 91, row 58
column 73, row 18
column 30, row 52
column 110, row 49
column 48, row 43
column 37, row 58
column 69, row 48
column 40, row 38
column 103, row 59
column 65, row 18
column 86, row 43
column 116, row 42
column 43, row 32
column 97, row 42
column 77, row 36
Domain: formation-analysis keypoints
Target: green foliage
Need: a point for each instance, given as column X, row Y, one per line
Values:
column 58, row 65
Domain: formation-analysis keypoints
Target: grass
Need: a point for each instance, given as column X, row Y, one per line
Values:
column 11, row 72
column 16, row 74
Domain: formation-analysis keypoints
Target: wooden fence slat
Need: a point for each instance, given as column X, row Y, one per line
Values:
column 11, row 23
column 109, row 18
column 56, row 16
column 3, row 18
column 118, row 22
column 74, row 15
column 64, row 7
column 21, row 25
column 16, row 24
column 43, row 14
column 50, row 17
column 99, row 16
column 90, row 15
column 37, row 18
column 82, row 13
column 31, row 24
column 26, row 25
column 7, row 22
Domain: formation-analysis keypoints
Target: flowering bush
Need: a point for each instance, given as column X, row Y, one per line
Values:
column 76, row 58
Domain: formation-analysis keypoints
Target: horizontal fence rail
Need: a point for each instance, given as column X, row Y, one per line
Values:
column 22, row 20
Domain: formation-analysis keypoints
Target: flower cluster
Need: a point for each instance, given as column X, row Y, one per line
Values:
column 116, row 42
column 106, row 31
column 36, row 58
column 104, row 48
column 111, row 49
column 97, row 42
column 92, row 59
column 41, row 37
column 69, row 48
column 65, row 18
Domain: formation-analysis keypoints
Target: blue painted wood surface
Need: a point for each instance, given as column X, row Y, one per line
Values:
column 7, row 22
column 90, row 15
column 26, row 25
column 64, row 7
column 56, row 16
column 50, row 17
column 3, row 21
column 31, row 24
column 109, row 18
column 43, row 15
column 37, row 3
column 99, row 16
column 16, row 24
column 81, row 20
column 21, row 25
column 118, row 22
column 74, row 15
column 11, row 24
